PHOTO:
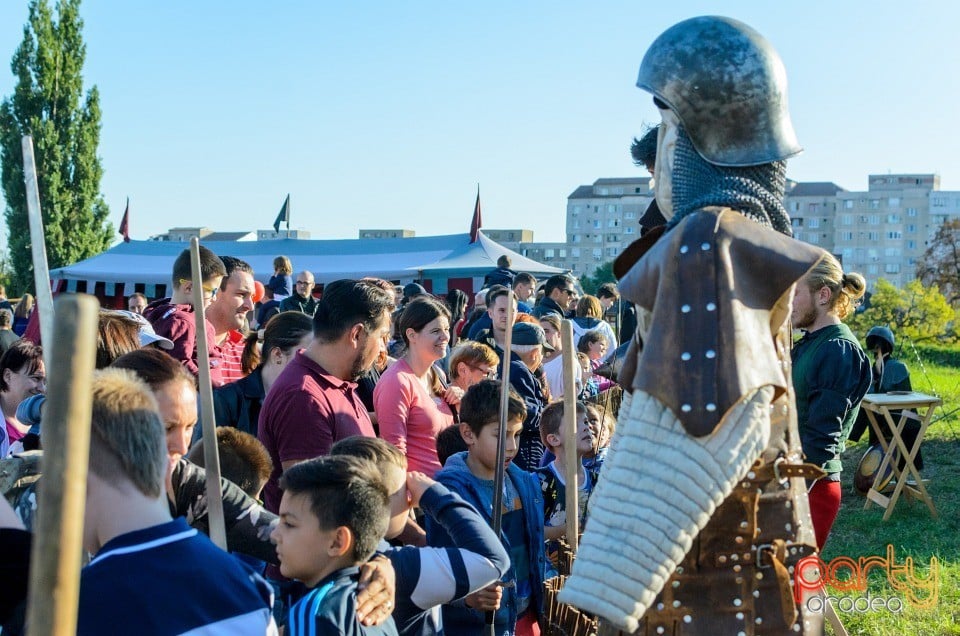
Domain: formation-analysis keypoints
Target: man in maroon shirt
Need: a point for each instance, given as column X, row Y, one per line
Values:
column 314, row 402
column 228, row 315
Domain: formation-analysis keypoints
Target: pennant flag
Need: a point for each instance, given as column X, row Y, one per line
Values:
column 284, row 216
column 475, row 224
column 125, row 223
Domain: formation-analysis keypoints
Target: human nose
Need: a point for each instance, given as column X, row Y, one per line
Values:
column 179, row 444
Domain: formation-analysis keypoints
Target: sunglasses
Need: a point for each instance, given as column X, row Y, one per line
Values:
column 570, row 292
column 490, row 373
column 210, row 290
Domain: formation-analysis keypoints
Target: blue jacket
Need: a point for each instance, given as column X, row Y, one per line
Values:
column 528, row 388
column 457, row 617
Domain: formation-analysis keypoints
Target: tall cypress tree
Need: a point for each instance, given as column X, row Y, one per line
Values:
column 48, row 103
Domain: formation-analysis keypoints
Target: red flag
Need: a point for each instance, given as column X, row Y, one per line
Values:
column 476, row 223
column 125, row 223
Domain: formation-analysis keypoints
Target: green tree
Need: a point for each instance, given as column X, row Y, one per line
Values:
column 940, row 264
column 48, row 103
column 603, row 274
column 915, row 312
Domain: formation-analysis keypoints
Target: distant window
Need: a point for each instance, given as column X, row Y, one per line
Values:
column 894, row 235
column 892, row 251
column 629, row 230
column 846, row 236
column 813, row 238
column 612, row 251
column 893, row 202
column 911, row 228
column 611, row 209
column 873, row 236
column 562, row 253
column 846, row 219
column 874, row 219
column 629, row 215
column 893, row 218
column 847, row 253
column 848, row 204
column 911, row 211
column 603, row 191
column 938, row 202
column 597, row 223
column 575, row 211
column 797, row 221
column 813, row 223
column 547, row 253
column 872, row 269
column 911, row 245
column 892, row 268
column 576, row 238
column 575, row 252
column 597, row 253
column 874, row 204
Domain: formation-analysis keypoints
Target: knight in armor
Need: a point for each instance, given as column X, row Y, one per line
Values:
column 888, row 375
column 702, row 512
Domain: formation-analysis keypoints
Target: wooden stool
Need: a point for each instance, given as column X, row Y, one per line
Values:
column 880, row 404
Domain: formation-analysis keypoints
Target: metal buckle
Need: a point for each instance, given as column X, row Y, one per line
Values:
column 776, row 470
column 758, row 560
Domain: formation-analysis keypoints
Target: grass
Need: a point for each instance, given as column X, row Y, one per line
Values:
column 910, row 530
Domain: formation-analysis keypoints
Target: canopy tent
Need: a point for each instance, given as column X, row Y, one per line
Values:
column 476, row 259
column 144, row 265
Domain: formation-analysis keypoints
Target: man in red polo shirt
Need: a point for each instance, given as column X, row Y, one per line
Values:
column 227, row 313
column 314, row 402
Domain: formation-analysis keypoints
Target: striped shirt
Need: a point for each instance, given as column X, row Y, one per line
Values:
column 330, row 609
column 232, row 351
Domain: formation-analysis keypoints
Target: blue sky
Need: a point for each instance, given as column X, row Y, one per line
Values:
column 388, row 114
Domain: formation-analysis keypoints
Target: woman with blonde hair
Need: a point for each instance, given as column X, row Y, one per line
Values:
column 831, row 374
column 590, row 318
column 21, row 314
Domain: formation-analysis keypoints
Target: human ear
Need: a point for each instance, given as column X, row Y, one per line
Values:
column 467, row 434
column 341, row 543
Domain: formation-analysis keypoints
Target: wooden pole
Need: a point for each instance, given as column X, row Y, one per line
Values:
column 58, row 539
column 499, row 476
column 211, row 456
column 41, row 272
column 570, row 458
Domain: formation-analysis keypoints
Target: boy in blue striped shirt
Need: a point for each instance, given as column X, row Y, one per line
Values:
column 333, row 514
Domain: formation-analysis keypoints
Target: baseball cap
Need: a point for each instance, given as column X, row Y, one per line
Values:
column 527, row 333
column 147, row 335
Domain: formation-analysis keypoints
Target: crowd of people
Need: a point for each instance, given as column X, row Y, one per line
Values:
column 362, row 459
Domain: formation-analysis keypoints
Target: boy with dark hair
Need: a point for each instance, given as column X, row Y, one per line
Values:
column 333, row 513
column 243, row 459
column 141, row 557
column 552, row 477
column 429, row 577
column 518, row 601
column 449, row 443
column 173, row 317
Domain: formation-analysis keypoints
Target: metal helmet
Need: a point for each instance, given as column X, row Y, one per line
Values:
column 728, row 87
column 883, row 334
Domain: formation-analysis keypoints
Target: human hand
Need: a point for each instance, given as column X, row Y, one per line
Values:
column 417, row 484
column 453, row 395
column 377, row 588
column 487, row 599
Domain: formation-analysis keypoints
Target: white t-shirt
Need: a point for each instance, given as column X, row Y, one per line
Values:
column 553, row 370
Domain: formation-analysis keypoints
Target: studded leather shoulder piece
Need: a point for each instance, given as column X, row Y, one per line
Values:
column 711, row 284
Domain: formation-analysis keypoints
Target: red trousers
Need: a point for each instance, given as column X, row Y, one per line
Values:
column 527, row 624
column 824, row 506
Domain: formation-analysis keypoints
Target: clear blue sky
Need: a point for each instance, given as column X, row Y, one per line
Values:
column 388, row 114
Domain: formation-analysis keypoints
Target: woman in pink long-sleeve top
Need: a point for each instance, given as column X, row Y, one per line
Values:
column 412, row 405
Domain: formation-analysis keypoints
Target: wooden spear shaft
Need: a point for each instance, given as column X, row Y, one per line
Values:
column 499, row 476
column 58, row 539
column 570, row 458
column 41, row 271
column 211, row 456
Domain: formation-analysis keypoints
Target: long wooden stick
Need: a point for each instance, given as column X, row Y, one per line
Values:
column 41, row 271
column 211, row 456
column 570, row 443
column 55, row 562
column 498, row 479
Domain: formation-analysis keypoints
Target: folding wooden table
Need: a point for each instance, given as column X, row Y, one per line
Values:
column 880, row 404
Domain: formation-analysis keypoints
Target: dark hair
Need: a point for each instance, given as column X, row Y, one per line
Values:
column 496, row 291
column 282, row 331
column 524, row 277
column 587, row 339
column 457, row 304
column 504, row 261
column 210, row 266
column 420, row 312
column 449, row 442
column 243, row 459
column 552, row 418
column 136, row 295
column 608, row 290
column 21, row 354
column 6, row 317
column 480, row 405
column 372, row 449
column 231, row 265
column 344, row 491
column 345, row 303
column 557, row 281
column 117, row 334
column 644, row 149
column 154, row 367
